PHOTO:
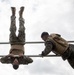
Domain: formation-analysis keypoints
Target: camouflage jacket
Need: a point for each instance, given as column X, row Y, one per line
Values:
column 56, row 44
column 22, row 60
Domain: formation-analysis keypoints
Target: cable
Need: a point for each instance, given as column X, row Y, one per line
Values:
column 34, row 55
column 35, row 42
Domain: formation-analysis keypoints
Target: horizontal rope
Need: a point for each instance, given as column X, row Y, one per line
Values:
column 34, row 55
column 43, row 56
column 35, row 42
column 21, row 42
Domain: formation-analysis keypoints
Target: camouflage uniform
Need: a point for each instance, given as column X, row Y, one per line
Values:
column 20, row 39
column 17, row 43
column 59, row 48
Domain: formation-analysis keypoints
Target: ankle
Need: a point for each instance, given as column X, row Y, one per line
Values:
column 13, row 11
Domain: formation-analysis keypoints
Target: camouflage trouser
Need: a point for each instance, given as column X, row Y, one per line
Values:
column 69, row 55
column 21, row 35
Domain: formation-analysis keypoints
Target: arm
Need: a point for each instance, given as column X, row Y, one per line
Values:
column 25, row 60
column 6, row 59
column 48, row 48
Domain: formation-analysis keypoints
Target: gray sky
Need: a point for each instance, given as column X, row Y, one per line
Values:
column 54, row 16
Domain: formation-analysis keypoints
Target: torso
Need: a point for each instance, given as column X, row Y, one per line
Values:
column 59, row 49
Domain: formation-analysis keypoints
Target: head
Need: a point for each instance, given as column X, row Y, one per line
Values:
column 15, row 64
column 44, row 36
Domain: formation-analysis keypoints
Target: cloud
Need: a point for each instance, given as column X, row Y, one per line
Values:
column 48, row 66
column 5, row 1
column 52, row 17
column 40, row 15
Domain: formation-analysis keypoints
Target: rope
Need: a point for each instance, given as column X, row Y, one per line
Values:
column 34, row 55
column 35, row 42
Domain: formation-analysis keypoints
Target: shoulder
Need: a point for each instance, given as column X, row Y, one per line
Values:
column 49, row 41
column 54, row 35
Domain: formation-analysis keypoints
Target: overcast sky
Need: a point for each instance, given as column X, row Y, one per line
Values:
column 53, row 16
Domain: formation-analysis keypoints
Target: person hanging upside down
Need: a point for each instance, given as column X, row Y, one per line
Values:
column 16, row 55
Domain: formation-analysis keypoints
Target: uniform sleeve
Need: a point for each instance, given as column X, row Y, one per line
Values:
column 48, row 48
column 28, row 60
column 5, row 60
column 25, row 60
